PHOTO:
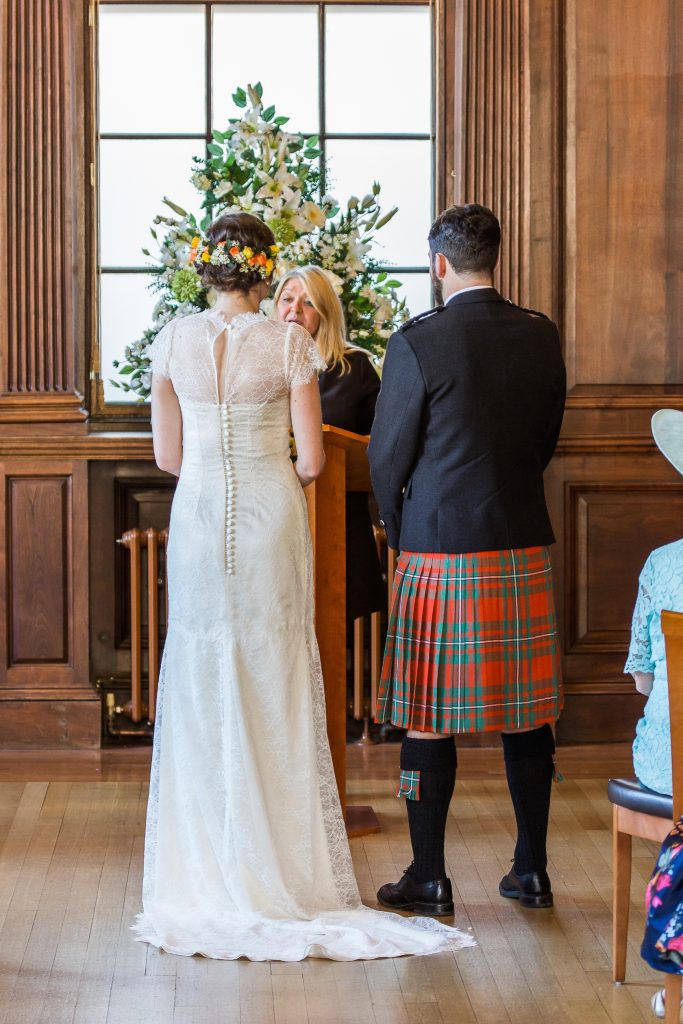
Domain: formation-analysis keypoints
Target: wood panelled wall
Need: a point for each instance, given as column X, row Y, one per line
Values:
column 615, row 497
column 569, row 117
column 42, row 218
column 565, row 117
column 46, row 697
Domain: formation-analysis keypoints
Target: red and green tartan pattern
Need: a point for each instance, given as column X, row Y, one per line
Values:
column 472, row 643
column 409, row 784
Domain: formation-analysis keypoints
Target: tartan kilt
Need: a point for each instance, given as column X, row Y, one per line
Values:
column 472, row 643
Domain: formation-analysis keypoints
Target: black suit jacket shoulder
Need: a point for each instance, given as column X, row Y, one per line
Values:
column 467, row 419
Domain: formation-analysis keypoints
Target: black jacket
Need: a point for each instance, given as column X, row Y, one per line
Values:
column 348, row 401
column 467, row 420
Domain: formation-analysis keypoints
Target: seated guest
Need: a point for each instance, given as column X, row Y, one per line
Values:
column 348, row 393
column 660, row 587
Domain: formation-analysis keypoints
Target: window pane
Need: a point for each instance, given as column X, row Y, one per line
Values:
column 126, row 305
column 151, row 68
column 416, row 290
column 386, row 86
column 274, row 45
column 403, row 169
column 135, row 176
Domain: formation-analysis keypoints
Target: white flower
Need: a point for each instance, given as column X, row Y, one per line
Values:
column 356, row 251
column 334, row 280
column 201, row 181
column 164, row 317
column 280, row 184
column 222, row 189
column 249, row 125
column 384, row 310
column 312, row 212
column 185, row 309
column 328, row 200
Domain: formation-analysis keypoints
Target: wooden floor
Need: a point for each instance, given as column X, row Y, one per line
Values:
column 70, row 876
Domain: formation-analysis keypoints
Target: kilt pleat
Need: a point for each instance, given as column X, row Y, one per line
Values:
column 472, row 643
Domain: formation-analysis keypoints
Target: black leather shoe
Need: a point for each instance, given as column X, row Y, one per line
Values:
column 434, row 899
column 532, row 889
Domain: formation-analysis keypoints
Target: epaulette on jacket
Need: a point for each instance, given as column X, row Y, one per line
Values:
column 420, row 316
column 525, row 309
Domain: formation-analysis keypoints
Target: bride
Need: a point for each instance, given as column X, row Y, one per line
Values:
column 246, row 852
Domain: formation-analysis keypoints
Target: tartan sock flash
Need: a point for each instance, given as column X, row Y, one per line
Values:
column 529, row 769
column 435, row 761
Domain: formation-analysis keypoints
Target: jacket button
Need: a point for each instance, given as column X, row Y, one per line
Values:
column 382, row 523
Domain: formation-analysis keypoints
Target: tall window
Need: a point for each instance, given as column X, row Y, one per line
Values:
column 356, row 75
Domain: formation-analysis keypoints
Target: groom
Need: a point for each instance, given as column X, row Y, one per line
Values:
column 467, row 419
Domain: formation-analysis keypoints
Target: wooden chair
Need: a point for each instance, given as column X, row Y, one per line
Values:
column 640, row 812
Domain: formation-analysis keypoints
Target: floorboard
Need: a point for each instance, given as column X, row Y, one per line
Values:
column 71, row 847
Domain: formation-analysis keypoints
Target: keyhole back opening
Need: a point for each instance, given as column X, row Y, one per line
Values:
column 220, row 361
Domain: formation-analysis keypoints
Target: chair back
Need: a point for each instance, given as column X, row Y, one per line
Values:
column 672, row 628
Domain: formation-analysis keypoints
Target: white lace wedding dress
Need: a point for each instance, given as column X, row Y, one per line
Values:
column 246, row 854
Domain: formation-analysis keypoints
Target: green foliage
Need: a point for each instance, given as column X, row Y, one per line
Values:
column 256, row 166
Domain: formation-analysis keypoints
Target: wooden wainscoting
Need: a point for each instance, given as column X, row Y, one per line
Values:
column 609, row 509
column 45, row 693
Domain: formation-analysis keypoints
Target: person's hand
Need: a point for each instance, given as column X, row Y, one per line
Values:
column 644, row 681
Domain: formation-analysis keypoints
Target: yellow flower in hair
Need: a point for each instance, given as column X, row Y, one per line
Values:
column 205, row 256
column 275, row 249
column 247, row 252
column 195, row 242
column 269, row 266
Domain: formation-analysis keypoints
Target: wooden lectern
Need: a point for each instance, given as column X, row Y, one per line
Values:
column 346, row 469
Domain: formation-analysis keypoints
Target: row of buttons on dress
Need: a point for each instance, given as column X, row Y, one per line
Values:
column 229, row 492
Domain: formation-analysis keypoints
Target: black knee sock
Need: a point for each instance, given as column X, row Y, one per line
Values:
column 529, row 767
column 436, row 761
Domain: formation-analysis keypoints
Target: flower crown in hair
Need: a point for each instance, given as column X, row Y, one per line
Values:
column 222, row 254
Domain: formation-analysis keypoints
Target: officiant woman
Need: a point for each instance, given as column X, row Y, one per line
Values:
column 348, row 392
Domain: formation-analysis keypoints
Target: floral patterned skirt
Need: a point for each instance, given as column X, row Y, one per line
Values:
column 663, row 942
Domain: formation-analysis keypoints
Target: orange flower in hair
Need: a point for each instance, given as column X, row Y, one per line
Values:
column 229, row 252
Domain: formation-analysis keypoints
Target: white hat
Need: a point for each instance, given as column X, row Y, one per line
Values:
column 667, row 430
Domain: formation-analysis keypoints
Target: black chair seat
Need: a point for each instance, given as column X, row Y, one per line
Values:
column 630, row 794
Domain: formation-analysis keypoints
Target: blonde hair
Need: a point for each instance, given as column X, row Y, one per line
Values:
column 330, row 338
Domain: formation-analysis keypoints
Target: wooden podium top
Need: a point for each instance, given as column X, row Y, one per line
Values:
column 356, row 448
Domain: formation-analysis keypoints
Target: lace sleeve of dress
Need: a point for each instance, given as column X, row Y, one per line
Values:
column 303, row 362
column 640, row 649
column 161, row 351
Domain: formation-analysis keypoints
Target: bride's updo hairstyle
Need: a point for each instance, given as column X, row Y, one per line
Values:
column 246, row 231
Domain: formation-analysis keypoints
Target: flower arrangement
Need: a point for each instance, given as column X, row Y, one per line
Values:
column 258, row 167
column 225, row 253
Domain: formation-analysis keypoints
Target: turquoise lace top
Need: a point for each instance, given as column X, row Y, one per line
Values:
column 660, row 587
